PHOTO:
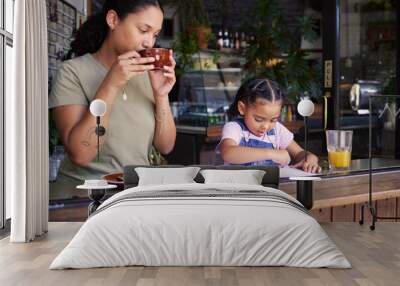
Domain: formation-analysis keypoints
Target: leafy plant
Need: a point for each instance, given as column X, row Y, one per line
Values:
column 184, row 46
column 155, row 157
column 276, row 52
column 379, row 5
column 54, row 137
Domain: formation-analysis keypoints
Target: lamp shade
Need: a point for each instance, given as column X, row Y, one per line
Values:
column 98, row 107
column 305, row 107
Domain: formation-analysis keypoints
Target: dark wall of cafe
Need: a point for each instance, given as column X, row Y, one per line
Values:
column 96, row 6
column 235, row 13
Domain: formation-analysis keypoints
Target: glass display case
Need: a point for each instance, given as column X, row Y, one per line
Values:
column 205, row 95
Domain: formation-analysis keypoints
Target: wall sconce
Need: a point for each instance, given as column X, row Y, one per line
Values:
column 98, row 108
column 304, row 185
column 305, row 109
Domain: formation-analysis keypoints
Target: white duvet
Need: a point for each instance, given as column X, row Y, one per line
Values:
column 202, row 231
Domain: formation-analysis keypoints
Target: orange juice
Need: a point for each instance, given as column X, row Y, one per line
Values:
column 339, row 159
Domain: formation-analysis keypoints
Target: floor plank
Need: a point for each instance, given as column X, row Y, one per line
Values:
column 375, row 257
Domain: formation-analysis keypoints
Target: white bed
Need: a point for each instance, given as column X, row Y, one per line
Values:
column 201, row 225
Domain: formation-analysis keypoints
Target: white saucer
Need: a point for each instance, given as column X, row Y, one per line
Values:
column 86, row 187
column 96, row 185
column 305, row 178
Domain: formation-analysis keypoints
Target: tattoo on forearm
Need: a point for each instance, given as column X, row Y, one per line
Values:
column 160, row 118
column 86, row 141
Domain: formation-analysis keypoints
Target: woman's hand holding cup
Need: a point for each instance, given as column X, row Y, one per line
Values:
column 163, row 76
column 127, row 66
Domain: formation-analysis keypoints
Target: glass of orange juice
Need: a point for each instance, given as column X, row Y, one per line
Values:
column 339, row 144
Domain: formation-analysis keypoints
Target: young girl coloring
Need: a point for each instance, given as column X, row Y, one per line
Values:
column 255, row 136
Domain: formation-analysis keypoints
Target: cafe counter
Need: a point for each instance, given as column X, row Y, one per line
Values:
column 339, row 194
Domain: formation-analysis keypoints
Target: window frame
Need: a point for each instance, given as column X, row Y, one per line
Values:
column 6, row 39
column 2, row 89
column 2, row 125
column 4, row 27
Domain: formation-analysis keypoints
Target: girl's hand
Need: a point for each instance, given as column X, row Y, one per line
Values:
column 162, row 81
column 127, row 66
column 281, row 157
column 311, row 166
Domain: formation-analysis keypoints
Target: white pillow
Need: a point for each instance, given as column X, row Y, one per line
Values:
column 163, row 176
column 248, row 177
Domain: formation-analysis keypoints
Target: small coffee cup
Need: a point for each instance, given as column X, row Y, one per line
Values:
column 160, row 55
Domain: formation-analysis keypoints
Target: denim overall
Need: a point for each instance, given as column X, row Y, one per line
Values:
column 247, row 142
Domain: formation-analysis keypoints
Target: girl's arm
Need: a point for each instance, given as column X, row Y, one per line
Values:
column 298, row 158
column 234, row 154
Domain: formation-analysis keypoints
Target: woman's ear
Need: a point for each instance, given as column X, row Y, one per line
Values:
column 241, row 108
column 112, row 19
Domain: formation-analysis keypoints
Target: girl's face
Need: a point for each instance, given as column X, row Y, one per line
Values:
column 261, row 116
column 137, row 31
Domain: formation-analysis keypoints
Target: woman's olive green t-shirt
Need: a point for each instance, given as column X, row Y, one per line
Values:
column 129, row 134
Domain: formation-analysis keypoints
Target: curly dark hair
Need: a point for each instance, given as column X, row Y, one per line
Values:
column 253, row 89
column 91, row 35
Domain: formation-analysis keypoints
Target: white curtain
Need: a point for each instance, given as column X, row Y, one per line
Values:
column 27, row 124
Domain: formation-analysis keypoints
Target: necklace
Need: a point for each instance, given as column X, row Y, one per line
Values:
column 124, row 96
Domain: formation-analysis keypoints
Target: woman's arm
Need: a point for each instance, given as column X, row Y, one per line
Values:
column 234, row 154
column 77, row 127
column 165, row 132
column 162, row 83
column 75, row 123
column 298, row 155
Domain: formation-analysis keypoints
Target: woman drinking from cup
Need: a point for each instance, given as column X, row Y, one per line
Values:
column 107, row 65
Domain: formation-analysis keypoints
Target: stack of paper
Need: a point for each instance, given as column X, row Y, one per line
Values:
column 287, row 172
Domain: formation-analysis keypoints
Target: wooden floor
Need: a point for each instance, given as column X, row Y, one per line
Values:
column 375, row 257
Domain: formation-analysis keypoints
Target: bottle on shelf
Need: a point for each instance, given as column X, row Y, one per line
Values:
column 284, row 113
column 252, row 39
column 226, row 39
column 243, row 43
column 237, row 41
column 289, row 114
column 220, row 40
column 231, row 40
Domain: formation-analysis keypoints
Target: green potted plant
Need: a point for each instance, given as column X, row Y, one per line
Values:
column 184, row 46
column 54, row 137
column 275, row 52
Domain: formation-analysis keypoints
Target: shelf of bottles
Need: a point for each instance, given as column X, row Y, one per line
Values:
column 231, row 40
